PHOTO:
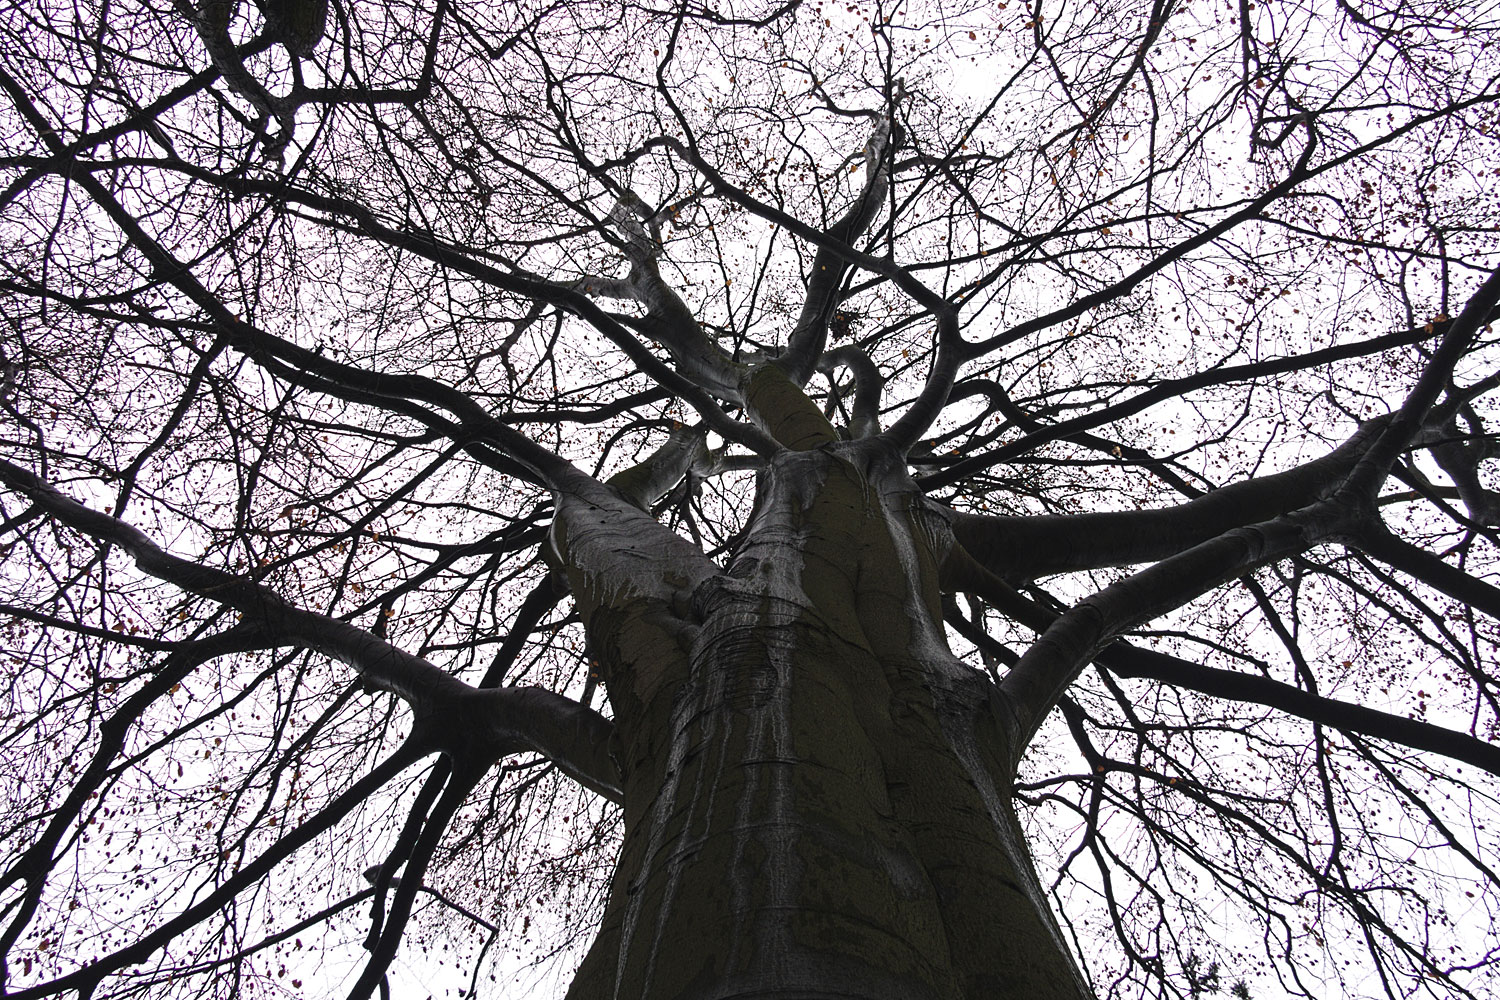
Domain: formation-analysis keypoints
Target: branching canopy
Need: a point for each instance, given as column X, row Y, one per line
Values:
column 366, row 365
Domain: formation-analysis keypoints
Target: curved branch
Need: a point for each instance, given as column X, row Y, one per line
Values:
column 260, row 346
column 388, row 934
column 211, row 20
column 951, row 350
column 646, row 481
column 1125, row 660
column 1459, row 455
column 1302, row 170
column 1375, row 465
column 671, row 322
column 868, row 384
column 34, row 865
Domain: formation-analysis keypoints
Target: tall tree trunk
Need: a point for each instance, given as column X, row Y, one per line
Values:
column 816, row 789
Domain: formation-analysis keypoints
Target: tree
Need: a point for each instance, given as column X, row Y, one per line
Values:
column 855, row 500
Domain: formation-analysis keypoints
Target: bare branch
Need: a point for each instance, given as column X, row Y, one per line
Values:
column 495, row 722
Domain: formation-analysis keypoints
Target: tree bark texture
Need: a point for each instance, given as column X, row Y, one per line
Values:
column 816, row 789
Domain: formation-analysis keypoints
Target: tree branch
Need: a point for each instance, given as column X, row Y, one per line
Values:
column 1021, row 549
column 1407, row 422
column 951, row 348
column 85, row 980
column 1038, row 434
column 260, row 345
column 1053, row 661
column 449, row 715
column 1132, row 661
column 868, row 384
column 1416, row 562
column 810, row 334
column 1125, row 660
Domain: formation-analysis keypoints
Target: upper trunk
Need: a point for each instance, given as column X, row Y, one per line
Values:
column 817, row 792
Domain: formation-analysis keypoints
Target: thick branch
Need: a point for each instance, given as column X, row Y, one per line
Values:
column 781, row 409
column 868, row 384
column 1021, row 549
column 1432, row 570
column 669, row 319
column 1125, row 660
column 1375, row 464
column 1460, row 459
column 212, row 21
column 1077, row 636
column 645, row 481
column 609, row 548
column 951, row 348
column 449, row 715
column 810, row 335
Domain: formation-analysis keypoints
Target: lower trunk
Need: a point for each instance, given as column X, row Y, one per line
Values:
column 819, row 805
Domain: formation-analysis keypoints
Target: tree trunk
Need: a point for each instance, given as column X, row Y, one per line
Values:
column 817, row 792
